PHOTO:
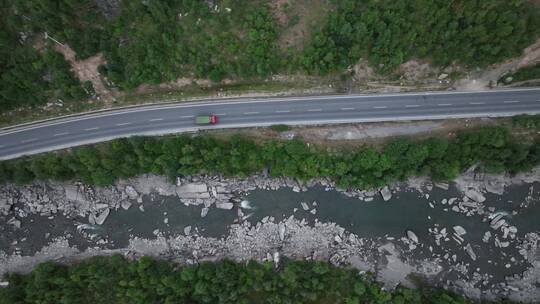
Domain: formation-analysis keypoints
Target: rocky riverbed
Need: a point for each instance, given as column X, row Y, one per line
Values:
column 68, row 221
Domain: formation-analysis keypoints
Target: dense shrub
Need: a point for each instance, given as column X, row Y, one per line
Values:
column 31, row 78
column 280, row 128
column 390, row 32
column 115, row 280
column 75, row 22
column 527, row 121
column 27, row 76
column 527, row 73
column 493, row 148
column 157, row 41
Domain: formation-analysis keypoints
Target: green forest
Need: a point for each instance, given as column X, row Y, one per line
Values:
column 493, row 148
column 29, row 76
column 390, row 32
column 164, row 40
column 116, row 280
column 149, row 42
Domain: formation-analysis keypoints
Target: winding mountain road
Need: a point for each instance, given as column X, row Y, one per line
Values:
column 180, row 117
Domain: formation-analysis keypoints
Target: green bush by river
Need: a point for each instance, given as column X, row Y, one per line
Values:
column 116, row 280
column 494, row 149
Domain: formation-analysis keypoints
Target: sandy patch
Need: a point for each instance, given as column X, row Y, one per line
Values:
column 277, row 10
column 413, row 70
column 363, row 72
column 364, row 131
column 173, row 85
column 87, row 70
column 531, row 55
column 299, row 19
column 372, row 134
column 183, row 82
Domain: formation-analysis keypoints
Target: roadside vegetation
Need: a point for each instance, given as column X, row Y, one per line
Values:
column 527, row 121
column 153, row 42
column 30, row 76
column 523, row 74
column 116, row 280
column 280, row 128
column 493, row 148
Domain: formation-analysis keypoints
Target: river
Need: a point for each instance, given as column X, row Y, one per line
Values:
column 384, row 221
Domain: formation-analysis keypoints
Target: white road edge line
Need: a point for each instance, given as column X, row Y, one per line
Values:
column 329, row 121
column 283, row 111
column 511, row 101
column 380, row 107
column 250, row 113
column 221, row 114
column 60, row 134
column 123, row 124
column 477, row 103
column 412, row 106
column 92, row 129
column 314, row 110
column 156, row 119
column 347, row 109
column 444, row 104
column 187, row 116
column 28, row 140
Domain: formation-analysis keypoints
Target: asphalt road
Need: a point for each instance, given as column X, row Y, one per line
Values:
column 172, row 118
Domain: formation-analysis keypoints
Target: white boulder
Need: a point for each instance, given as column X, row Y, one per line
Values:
column 204, row 211
column 131, row 192
column 412, row 236
column 100, row 219
column 223, row 205
column 281, row 232
column 386, row 194
column 459, row 230
column 470, row 252
column 475, row 195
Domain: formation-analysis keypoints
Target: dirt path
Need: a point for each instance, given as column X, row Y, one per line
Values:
column 87, row 70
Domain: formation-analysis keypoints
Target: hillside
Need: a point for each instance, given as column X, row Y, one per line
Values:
column 113, row 49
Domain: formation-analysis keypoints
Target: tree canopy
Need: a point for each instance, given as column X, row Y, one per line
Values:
column 29, row 76
column 494, row 149
column 151, row 42
column 116, row 280
column 158, row 41
column 390, row 32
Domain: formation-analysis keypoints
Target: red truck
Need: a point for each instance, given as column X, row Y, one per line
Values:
column 206, row 120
